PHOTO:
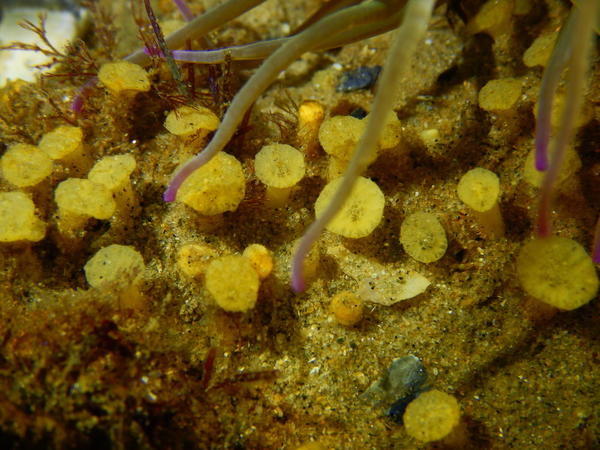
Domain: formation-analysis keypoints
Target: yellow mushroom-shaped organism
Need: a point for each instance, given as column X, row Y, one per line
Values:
column 193, row 259
column 540, row 50
column 347, row 308
column 500, row 95
column 339, row 136
column 124, row 78
column 310, row 117
column 479, row 189
column 188, row 121
column 432, row 416
column 361, row 213
column 390, row 136
column 65, row 144
column 25, row 165
column 280, row 167
column 261, row 259
column 120, row 267
column 423, row 237
column 114, row 173
column 494, row 18
column 18, row 221
column 557, row 271
column 79, row 200
column 233, row 283
column 216, row 187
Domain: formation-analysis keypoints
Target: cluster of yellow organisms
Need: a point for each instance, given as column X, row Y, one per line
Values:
column 232, row 280
column 106, row 191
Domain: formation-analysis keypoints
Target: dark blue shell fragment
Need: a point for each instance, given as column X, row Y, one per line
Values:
column 361, row 78
column 402, row 382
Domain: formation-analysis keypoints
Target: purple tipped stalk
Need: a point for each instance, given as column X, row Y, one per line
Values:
column 414, row 25
column 572, row 49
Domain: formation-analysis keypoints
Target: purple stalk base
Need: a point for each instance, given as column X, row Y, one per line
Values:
column 184, row 10
column 596, row 247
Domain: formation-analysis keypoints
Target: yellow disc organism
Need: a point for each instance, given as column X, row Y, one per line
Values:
column 431, row 416
column 18, row 221
column 216, row 187
column 557, row 271
column 500, row 95
column 347, row 308
column 25, row 165
column 423, row 237
column 233, row 283
column 79, row 200
column 187, row 120
column 280, row 167
column 124, row 77
column 479, row 189
column 261, row 259
column 361, row 213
